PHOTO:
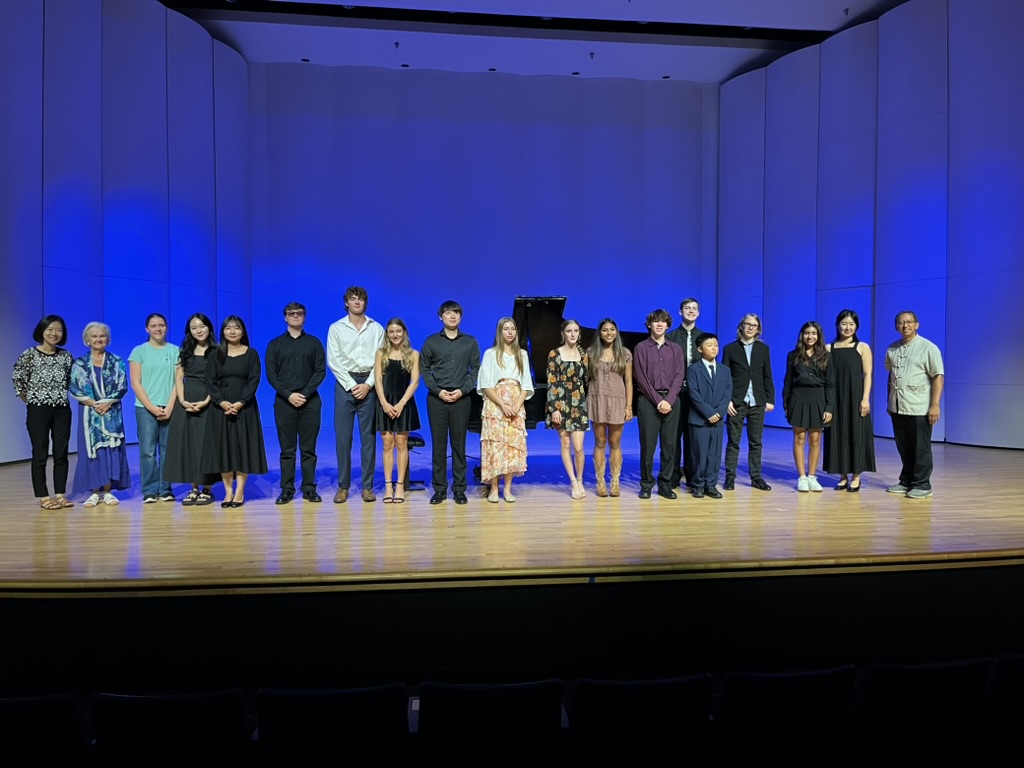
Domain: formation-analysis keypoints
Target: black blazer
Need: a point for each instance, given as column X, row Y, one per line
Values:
column 758, row 373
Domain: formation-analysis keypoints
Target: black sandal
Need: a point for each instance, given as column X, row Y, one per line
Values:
column 191, row 498
column 204, row 497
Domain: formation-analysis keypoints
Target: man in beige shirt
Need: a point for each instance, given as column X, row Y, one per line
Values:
column 915, row 388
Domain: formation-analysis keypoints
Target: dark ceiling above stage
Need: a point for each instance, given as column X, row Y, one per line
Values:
column 704, row 41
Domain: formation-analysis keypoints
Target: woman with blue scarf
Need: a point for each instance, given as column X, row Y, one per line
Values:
column 99, row 381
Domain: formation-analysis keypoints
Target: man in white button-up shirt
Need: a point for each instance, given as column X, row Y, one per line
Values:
column 352, row 343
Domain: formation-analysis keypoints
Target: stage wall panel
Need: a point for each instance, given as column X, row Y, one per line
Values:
column 986, row 231
column 21, row 79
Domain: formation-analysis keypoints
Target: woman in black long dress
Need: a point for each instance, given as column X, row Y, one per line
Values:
column 397, row 375
column 808, row 395
column 190, row 419
column 233, row 446
column 850, row 439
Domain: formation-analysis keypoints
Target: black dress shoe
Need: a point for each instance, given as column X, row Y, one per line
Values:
column 237, row 504
column 712, row 493
column 285, row 497
column 698, row 493
column 645, row 493
column 729, row 485
column 460, row 498
column 760, row 484
column 667, row 493
column 312, row 496
column 438, row 498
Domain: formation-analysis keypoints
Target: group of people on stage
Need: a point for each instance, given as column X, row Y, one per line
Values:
column 198, row 418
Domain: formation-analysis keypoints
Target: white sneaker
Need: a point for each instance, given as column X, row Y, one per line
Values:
column 813, row 484
column 92, row 501
column 802, row 485
column 110, row 500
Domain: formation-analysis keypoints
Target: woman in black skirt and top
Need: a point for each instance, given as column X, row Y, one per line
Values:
column 808, row 395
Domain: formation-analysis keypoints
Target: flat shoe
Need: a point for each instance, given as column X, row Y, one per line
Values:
column 236, row 504
column 227, row 504
column 493, row 498
column 92, row 501
column 110, row 500
column 204, row 498
column 510, row 499
column 62, row 501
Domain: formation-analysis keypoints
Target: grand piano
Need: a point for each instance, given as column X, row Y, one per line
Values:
column 539, row 320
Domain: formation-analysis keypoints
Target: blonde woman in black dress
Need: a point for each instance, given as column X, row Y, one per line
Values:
column 396, row 376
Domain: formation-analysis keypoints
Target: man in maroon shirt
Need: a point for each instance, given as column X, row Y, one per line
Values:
column 658, row 374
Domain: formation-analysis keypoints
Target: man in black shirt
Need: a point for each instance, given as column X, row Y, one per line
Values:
column 686, row 337
column 449, row 363
column 296, row 367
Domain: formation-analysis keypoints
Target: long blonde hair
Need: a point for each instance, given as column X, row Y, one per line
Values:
column 500, row 346
column 405, row 347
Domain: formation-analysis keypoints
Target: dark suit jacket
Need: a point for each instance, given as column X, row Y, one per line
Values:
column 708, row 397
column 758, row 373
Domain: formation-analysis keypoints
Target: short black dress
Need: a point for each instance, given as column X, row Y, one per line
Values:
column 396, row 381
column 808, row 392
column 234, row 443
column 188, row 430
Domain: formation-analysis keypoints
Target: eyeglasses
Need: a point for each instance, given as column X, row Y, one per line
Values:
column 295, row 313
column 751, row 325
column 906, row 322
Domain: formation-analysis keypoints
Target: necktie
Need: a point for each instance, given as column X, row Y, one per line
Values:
column 712, row 369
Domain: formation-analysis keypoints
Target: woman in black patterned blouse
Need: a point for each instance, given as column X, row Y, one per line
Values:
column 41, row 378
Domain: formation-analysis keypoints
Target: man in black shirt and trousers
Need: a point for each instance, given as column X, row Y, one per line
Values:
column 296, row 367
column 449, row 363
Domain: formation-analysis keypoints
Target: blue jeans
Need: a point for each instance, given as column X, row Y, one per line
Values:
column 152, row 433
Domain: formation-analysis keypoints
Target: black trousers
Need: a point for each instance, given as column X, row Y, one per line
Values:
column 914, row 442
column 44, row 422
column 448, row 421
column 754, row 416
column 302, row 425
column 655, row 428
column 686, row 461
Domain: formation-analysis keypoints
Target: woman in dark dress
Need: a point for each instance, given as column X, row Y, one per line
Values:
column 397, row 375
column 808, row 395
column 189, row 420
column 233, row 445
column 850, row 438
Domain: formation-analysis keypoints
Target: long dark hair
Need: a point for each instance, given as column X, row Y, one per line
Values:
column 189, row 343
column 597, row 346
column 843, row 314
column 222, row 348
column 820, row 356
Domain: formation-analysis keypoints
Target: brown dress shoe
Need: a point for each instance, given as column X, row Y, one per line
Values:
column 341, row 496
column 368, row 495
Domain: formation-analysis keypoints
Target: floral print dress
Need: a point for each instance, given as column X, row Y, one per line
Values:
column 567, row 392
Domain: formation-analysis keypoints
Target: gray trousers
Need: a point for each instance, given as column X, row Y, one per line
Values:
column 346, row 410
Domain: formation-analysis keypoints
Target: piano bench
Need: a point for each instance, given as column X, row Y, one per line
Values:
column 415, row 441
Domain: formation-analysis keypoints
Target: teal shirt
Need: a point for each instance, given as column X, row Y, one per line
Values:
column 157, row 371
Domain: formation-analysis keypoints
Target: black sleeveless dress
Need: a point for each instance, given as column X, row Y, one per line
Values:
column 396, row 381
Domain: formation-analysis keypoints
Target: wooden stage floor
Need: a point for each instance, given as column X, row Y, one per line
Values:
column 973, row 520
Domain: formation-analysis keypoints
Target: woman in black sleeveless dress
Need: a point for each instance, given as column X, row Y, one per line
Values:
column 397, row 375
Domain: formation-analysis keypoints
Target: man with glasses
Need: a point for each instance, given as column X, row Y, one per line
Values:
column 753, row 395
column 915, row 387
column 296, row 367
column 686, row 337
